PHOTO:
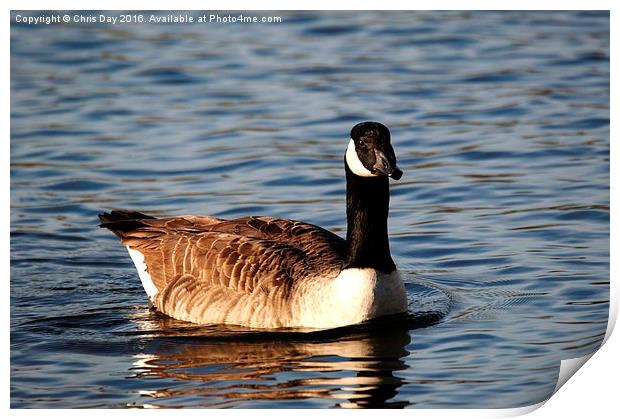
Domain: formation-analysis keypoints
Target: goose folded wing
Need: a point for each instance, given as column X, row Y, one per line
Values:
column 215, row 259
column 314, row 241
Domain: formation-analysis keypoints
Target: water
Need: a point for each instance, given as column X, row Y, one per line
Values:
column 500, row 121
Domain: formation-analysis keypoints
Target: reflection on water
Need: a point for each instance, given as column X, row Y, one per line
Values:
column 355, row 366
column 351, row 368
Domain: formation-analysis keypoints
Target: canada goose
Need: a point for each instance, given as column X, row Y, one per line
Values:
column 264, row 272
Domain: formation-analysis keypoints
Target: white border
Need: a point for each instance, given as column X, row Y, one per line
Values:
column 591, row 393
column 314, row 5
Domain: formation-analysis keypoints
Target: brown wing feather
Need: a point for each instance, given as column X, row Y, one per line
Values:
column 216, row 258
column 313, row 240
column 206, row 268
column 213, row 277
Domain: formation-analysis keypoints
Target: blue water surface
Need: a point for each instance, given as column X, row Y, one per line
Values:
column 500, row 121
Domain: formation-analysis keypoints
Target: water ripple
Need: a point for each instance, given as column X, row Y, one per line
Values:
column 500, row 121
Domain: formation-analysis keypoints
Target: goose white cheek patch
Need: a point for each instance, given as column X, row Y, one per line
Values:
column 354, row 162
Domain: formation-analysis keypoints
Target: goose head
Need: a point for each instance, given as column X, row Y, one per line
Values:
column 370, row 152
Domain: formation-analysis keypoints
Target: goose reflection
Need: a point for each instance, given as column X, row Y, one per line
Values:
column 355, row 366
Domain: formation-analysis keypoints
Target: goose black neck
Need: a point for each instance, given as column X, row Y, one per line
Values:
column 368, row 201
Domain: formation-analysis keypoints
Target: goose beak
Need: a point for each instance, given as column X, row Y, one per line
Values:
column 386, row 165
column 396, row 174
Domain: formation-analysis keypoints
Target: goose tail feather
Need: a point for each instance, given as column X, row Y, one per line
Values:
column 120, row 221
